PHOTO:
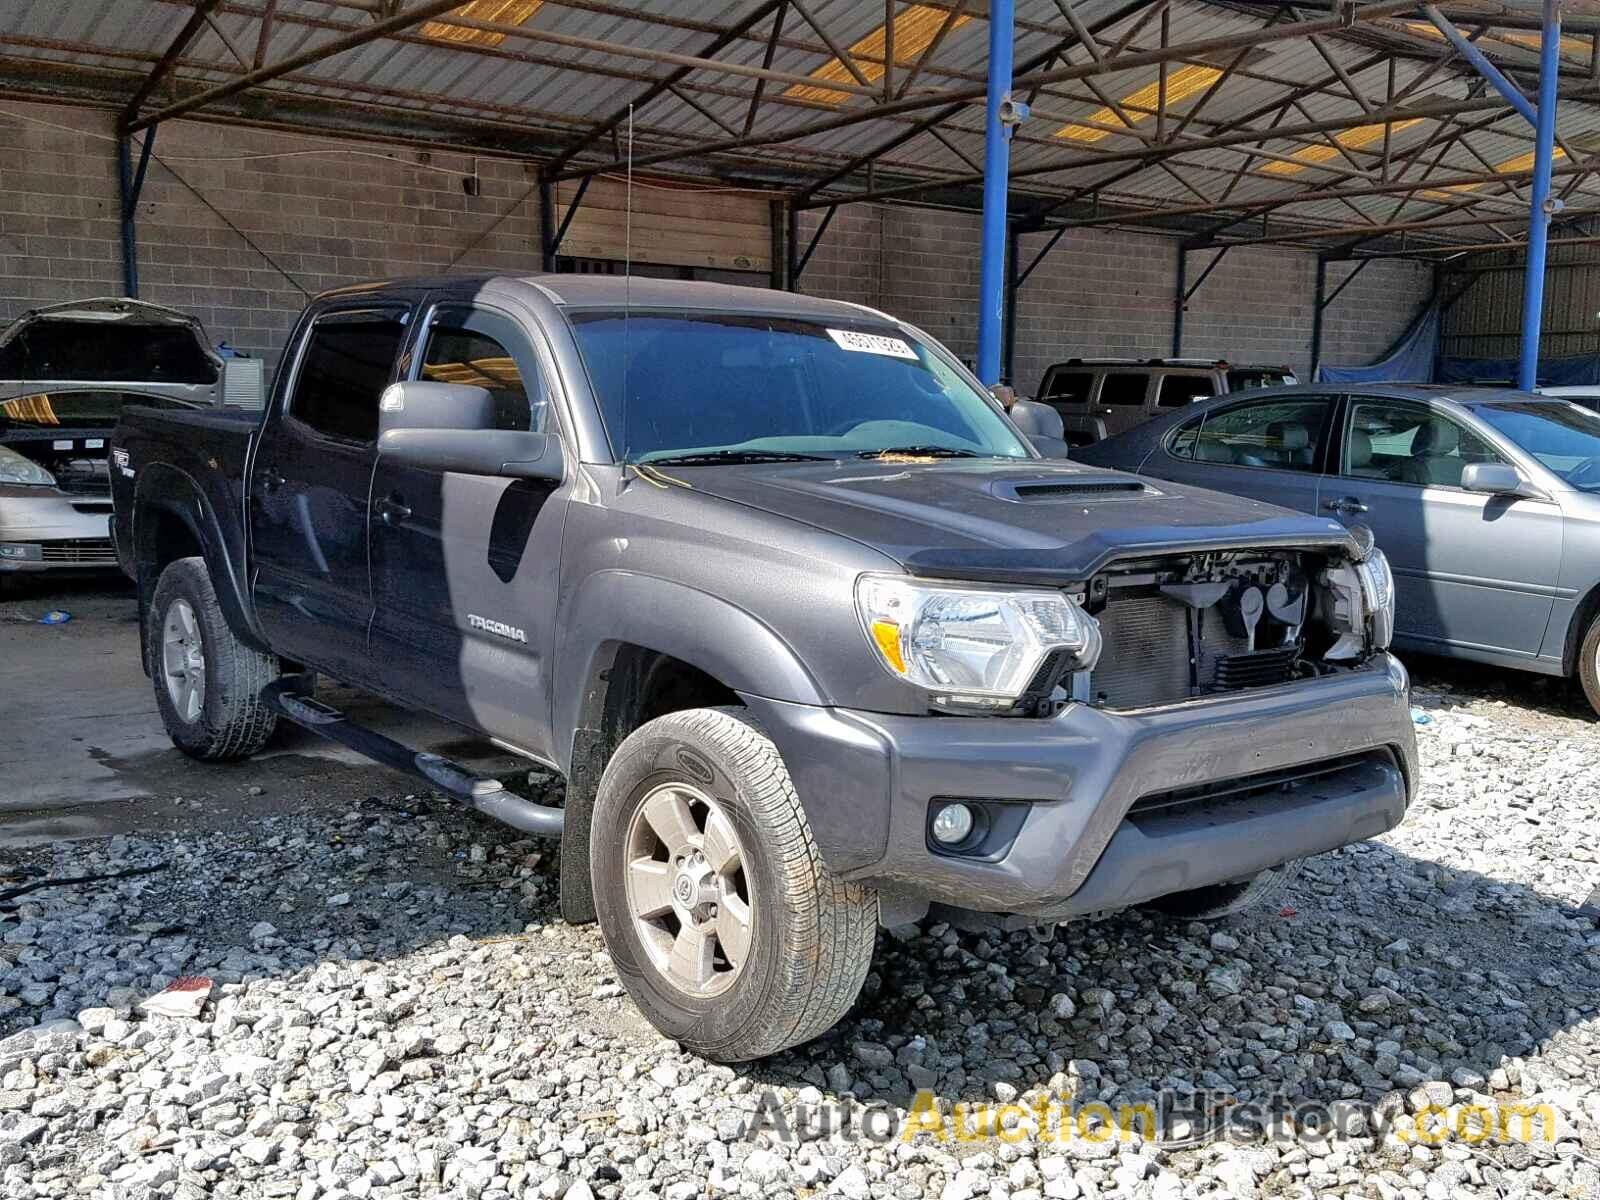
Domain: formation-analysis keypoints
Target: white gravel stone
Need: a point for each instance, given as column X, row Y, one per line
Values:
column 443, row 1033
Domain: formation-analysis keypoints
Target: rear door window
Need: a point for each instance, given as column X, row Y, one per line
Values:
column 1069, row 387
column 1285, row 435
column 1125, row 388
column 348, row 360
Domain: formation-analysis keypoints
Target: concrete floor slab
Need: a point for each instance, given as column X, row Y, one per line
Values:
column 78, row 720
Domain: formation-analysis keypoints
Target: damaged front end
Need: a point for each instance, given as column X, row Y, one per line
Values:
column 1182, row 626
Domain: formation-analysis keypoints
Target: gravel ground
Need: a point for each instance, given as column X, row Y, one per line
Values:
column 396, row 1010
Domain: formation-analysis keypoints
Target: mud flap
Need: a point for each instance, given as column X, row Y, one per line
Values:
column 583, row 783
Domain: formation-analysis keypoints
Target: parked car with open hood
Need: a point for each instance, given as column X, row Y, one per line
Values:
column 66, row 374
column 816, row 638
column 1486, row 500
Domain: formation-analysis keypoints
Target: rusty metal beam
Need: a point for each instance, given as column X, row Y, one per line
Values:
column 423, row 11
column 191, row 29
column 964, row 95
column 620, row 114
column 766, row 62
column 1436, row 109
column 269, row 14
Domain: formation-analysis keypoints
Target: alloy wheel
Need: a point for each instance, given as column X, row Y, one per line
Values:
column 687, row 890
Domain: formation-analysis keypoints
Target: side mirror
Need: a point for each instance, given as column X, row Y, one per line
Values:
column 508, row 453
column 419, row 405
column 450, row 427
column 1495, row 479
column 1037, row 420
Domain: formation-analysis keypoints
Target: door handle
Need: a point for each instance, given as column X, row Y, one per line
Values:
column 392, row 510
column 1348, row 505
column 271, row 481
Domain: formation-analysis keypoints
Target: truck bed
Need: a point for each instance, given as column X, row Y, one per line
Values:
column 203, row 453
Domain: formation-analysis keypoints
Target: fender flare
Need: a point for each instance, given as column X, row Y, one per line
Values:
column 170, row 490
column 613, row 608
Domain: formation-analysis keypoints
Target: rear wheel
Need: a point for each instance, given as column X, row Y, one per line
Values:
column 1589, row 665
column 207, row 682
column 1220, row 900
column 726, row 928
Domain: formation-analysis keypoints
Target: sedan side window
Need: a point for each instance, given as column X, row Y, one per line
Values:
column 1283, row 435
column 1409, row 443
column 471, row 346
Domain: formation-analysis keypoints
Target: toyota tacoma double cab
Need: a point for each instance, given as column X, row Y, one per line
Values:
column 816, row 637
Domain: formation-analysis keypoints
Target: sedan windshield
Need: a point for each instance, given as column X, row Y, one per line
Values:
column 1562, row 436
column 700, row 388
column 92, row 409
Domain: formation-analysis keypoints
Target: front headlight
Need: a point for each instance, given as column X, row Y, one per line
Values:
column 972, row 645
column 15, row 468
column 1377, row 590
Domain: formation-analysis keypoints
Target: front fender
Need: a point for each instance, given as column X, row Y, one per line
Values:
column 613, row 607
column 167, row 491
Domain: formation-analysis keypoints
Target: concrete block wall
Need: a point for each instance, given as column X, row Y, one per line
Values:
column 1109, row 292
column 239, row 226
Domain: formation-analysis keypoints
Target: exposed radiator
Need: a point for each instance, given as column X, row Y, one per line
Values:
column 1145, row 660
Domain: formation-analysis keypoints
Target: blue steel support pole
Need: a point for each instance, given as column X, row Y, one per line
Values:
column 1539, row 216
column 996, row 177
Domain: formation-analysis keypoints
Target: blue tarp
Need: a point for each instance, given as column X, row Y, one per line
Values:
column 1570, row 371
column 1410, row 360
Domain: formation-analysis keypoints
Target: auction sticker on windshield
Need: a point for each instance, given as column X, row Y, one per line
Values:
column 872, row 343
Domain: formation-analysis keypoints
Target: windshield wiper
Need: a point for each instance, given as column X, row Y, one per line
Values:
column 717, row 457
column 919, row 452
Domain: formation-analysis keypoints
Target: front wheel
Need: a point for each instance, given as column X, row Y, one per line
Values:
column 1589, row 665
column 208, row 683
column 725, row 926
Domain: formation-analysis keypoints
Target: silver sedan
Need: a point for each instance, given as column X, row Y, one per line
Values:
column 1486, row 501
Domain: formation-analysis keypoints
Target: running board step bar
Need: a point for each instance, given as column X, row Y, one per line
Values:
column 488, row 796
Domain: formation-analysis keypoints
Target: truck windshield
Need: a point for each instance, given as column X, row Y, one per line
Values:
column 723, row 387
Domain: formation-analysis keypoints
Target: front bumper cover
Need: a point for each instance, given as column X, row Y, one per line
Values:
column 45, row 529
column 867, row 780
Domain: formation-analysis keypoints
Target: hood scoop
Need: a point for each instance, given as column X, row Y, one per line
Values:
column 1102, row 488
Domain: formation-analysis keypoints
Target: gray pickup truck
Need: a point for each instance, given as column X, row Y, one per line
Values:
column 816, row 637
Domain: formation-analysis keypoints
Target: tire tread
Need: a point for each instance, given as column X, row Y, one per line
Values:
column 239, row 671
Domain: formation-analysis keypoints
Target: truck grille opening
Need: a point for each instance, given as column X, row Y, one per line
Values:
column 82, row 552
column 1160, row 650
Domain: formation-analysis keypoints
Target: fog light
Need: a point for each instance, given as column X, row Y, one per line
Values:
column 952, row 824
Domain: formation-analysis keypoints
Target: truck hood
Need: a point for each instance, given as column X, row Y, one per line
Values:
column 1008, row 521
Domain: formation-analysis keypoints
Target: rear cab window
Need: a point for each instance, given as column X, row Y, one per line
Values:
column 349, row 358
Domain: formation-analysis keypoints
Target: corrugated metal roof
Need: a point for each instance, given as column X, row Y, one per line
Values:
column 559, row 90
